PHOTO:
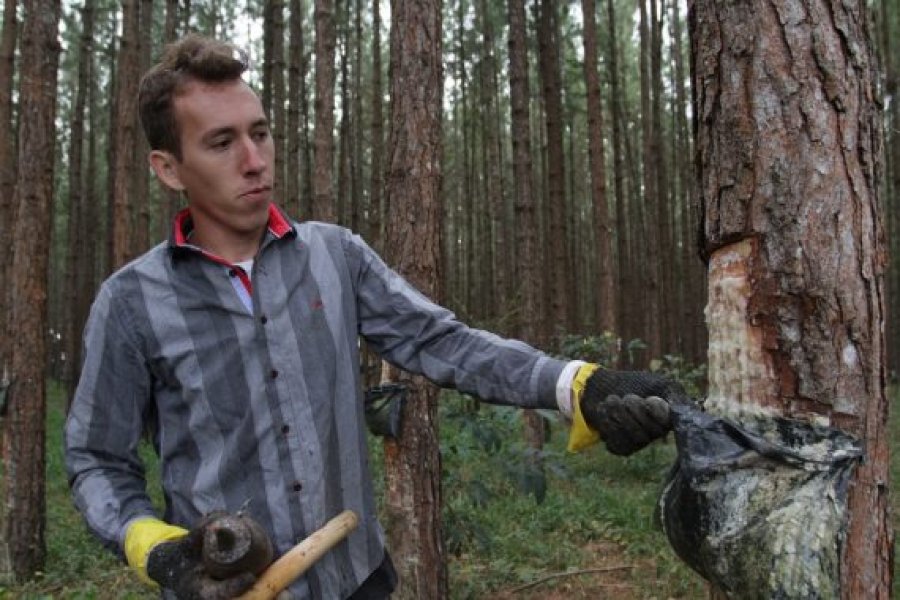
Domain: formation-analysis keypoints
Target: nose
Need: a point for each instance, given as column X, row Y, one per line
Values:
column 253, row 159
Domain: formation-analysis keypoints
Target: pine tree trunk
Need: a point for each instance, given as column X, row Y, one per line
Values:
column 412, row 462
column 623, row 263
column 140, row 241
column 277, row 110
column 789, row 151
column 323, row 206
column 376, row 218
column 22, row 511
column 7, row 173
column 74, row 275
column 291, row 195
column 127, row 78
column 548, row 46
column 605, row 310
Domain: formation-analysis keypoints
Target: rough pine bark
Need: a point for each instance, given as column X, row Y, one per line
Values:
column 7, row 169
column 294, row 139
column 648, row 247
column 323, row 208
column 124, row 135
column 376, row 217
column 789, row 151
column 605, row 310
column 74, row 276
column 412, row 462
column 559, row 309
column 22, row 548
column 277, row 109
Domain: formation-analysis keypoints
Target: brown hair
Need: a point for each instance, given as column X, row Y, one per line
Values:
column 191, row 57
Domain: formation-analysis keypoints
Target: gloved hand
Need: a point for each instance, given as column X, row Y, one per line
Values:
column 626, row 409
column 172, row 557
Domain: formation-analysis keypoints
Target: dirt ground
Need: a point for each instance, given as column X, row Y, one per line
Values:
column 613, row 576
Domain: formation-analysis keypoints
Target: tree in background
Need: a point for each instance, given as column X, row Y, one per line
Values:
column 7, row 171
column 413, row 246
column 323, row 205
column 22, row 508
column 789, row 146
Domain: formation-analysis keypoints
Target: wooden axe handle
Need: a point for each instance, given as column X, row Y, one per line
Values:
column 301, row 557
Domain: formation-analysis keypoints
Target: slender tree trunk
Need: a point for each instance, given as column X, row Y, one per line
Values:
column 527, row 325
column 548, row 45
column 377, row 212
column 7, row 174
column 127, row 78
column 494, row 176
column 615, row 99
column 606, row 304
column 323, row 207
column 357, row 193
column 74, row 275
column 277, row 92
column 412, row 462
column 789, row 151
column 650, row 263
column 140, row 240
column 293, row 154
column 171, row 199
column 22, row 548
column 343, row 156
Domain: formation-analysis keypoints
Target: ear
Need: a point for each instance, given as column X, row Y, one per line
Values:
column 165, row 166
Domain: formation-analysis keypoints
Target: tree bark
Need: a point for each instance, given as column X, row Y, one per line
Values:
column 412, row 462
column 140, row 240
column 605, row 310
column 7, row 173
column 22, row 548
column 127, row 78
column 75, row 276
column 323, row 207
column 277, row 81
column 294, row 136
column 548, row 45
column 789, row 152
column 376, row 218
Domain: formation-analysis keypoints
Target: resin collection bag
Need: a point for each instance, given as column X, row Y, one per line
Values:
column 759, row 508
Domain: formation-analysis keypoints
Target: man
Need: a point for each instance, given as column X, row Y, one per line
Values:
column 235, row 345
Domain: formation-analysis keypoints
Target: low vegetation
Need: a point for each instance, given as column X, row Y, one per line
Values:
column 582, row 526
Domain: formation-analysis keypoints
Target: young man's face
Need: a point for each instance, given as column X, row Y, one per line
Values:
column 226, row 164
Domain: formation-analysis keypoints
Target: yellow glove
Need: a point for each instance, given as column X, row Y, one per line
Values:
column 581, row 435
column 142, row 536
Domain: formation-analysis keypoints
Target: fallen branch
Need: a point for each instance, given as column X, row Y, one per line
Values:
column 550, row 576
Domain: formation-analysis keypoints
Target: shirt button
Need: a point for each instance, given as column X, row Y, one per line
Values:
column 274, row 373
column 264, row 319
column 298, row 486
column 285, row 428
column 232, row 273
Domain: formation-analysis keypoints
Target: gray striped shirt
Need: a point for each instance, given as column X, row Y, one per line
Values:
column 261, row 400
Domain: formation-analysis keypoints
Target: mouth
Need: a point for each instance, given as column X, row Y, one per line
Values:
column 257, row 193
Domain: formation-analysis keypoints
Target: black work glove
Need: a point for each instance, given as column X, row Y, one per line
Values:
column 629, row 409
column 177, row 566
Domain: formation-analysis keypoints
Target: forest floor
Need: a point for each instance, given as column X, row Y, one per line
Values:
column 587, row 531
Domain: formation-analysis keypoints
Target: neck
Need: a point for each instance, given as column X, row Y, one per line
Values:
column 233, row 247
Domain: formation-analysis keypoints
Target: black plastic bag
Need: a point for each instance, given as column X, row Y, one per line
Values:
column 759, row 508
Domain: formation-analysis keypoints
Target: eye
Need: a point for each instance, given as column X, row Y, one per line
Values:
column 220, row 144
column 261, row 135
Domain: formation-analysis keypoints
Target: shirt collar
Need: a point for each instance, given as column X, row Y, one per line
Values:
column 278, row 227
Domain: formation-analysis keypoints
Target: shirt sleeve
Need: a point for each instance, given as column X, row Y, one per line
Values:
column 105, row 423
column 410, row 331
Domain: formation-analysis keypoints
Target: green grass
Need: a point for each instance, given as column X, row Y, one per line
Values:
column 498, row 535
